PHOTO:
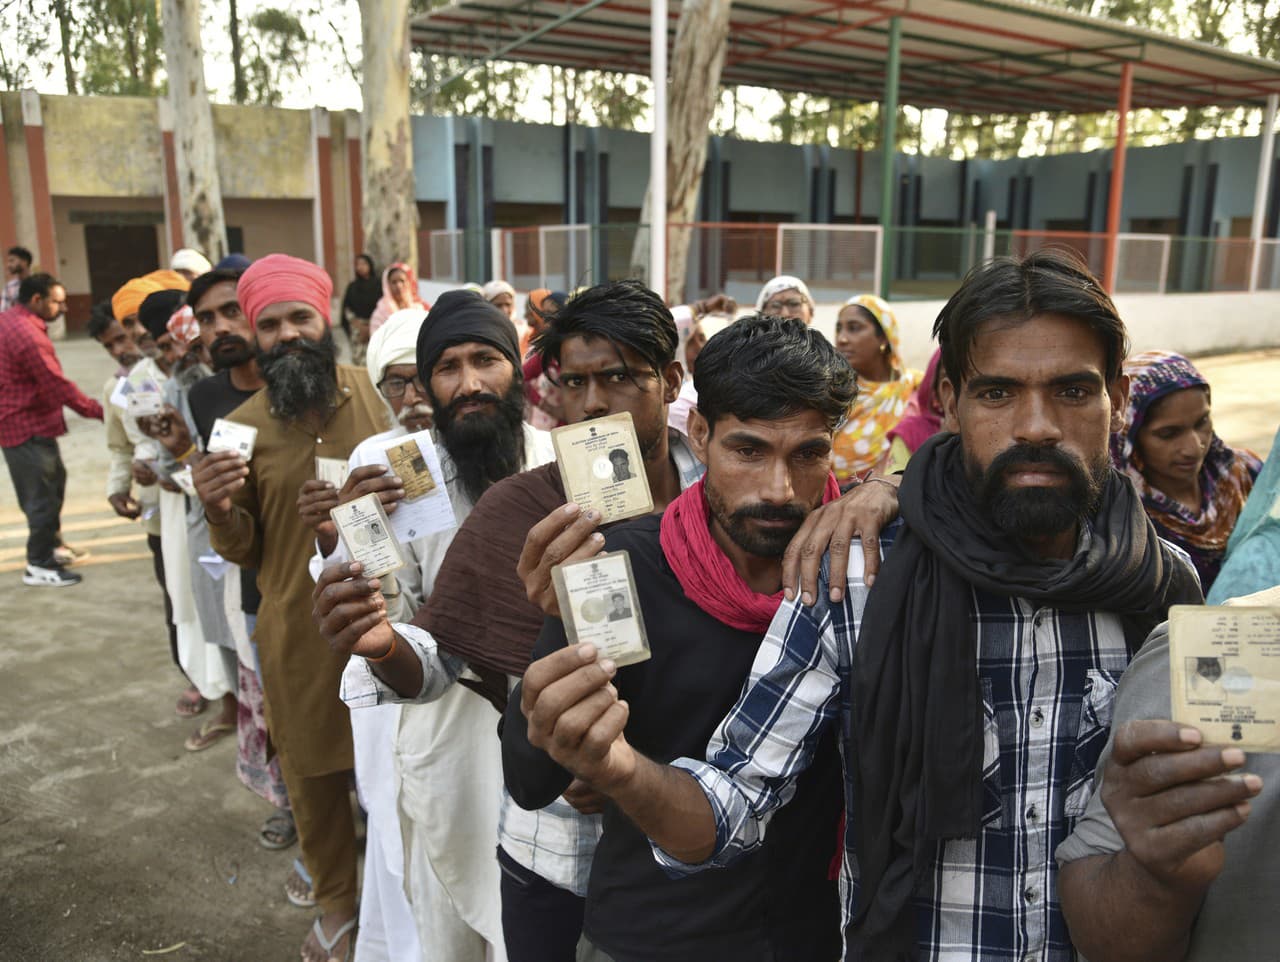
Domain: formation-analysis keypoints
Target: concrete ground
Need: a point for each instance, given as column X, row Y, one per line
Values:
column 115, row 842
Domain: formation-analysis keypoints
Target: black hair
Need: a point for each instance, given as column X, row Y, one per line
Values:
column 1050, row 281
column 866, row 315
column 100, row 318
column 36, row 284
column 373, row 268
column 764, row 367
column 20, row 252
column 624, row 313
column 202, row 284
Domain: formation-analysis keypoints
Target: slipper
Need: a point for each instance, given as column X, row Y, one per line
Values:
column 278, row 831
column 327, row 944
column 189, row 707
column 207, row 734
column 298, row 891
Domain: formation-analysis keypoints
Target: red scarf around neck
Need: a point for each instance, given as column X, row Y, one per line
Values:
column 705, row 572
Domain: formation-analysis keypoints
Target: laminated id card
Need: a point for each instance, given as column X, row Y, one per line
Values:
column 602, row 467
column 598, row 604
column 365, row 530
column 333, row 470
column 232, row 436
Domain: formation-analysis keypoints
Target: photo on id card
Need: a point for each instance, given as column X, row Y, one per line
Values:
column 602, row 467
column 365, row 530
column 598, row 604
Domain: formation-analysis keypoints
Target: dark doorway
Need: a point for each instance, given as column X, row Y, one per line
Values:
column 118, row 252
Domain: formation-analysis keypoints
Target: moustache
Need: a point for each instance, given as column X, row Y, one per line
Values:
column 483, row 397
column 415, row 411
column 223, row 342
column 1023, row 454
column 770, row 512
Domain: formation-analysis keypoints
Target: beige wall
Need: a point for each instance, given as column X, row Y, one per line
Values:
column 273, row 226
column 97, row 152
column 264, row 152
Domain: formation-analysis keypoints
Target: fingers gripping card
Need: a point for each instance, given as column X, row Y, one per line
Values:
column 1224, row 671
column 598, row 604
column 366, row 532
column 232, row 436
column 603, row 468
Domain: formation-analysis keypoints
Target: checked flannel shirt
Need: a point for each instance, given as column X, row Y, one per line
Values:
column 1048, row 682
column 33, row 389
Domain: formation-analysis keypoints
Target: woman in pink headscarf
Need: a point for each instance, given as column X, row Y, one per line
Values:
column 399, row 292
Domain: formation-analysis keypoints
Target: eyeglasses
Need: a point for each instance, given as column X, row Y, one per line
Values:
column 393, row 387
column 793, row 304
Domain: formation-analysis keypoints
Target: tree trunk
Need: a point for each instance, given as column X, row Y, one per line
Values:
column 390, row 215
column 697, row 60
column 62, row 9
column 239, row 87
column 196, row 159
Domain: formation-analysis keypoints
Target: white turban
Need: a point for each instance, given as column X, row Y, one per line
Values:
column 494, row 288
column 395, row 342
column 187, row 259
column 783, row 282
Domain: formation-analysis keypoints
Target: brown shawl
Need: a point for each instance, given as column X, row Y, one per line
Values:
column 478, row 609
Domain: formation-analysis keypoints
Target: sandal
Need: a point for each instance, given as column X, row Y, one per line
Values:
column 190, row 703
column 278, row 831
column 207, row 734
column 327, row 944
column 298, row 891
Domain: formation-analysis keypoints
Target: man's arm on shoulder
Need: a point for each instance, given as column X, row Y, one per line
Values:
column 1140, row 861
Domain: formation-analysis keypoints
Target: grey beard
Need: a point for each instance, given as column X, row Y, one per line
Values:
column 301, row 376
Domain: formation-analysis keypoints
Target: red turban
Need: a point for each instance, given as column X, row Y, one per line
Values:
column 277, row 278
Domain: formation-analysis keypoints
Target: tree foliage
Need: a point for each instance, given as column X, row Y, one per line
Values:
column 26, row 53
column 276, row 47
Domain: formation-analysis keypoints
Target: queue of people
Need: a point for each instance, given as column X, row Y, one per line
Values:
column 895, row 617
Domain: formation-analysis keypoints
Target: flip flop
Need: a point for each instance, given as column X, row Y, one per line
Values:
column 207, row 734
column 278, row 831
column 327, row 944
column 298, row 891
column 188, row 707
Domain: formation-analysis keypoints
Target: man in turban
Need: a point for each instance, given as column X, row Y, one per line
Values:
column 190, row 263
column 311, row 407
column 126, row 301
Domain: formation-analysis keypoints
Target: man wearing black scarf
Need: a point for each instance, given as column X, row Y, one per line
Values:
column 977, row 697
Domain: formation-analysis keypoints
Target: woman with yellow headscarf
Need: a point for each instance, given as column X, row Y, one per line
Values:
column 867, row 337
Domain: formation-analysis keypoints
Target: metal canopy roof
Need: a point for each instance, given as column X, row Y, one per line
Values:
column 973, row 56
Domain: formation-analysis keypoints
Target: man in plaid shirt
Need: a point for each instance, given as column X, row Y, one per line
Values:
column 33, row 392
column 973, row 685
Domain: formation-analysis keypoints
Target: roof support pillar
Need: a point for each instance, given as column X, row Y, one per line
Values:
column 1262, row 189
column 658, row 150
column 1115, row 199
column 888, row 152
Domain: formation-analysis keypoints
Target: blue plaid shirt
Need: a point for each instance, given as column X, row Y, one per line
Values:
column 1048, row 682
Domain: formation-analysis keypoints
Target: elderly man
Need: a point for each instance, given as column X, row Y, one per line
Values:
column 311, row 407
column 33, row 392
column 128, row 298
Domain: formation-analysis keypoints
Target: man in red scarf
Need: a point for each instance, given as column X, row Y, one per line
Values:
column 709, row 579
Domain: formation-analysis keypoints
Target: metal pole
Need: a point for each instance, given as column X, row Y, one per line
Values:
column 989, row 236
column 888, row 150
column 658, row 149
column 1260, row 190
column 1116, row 196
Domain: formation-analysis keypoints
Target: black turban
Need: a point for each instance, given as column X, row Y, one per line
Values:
column 157, row 308
column 463, row 317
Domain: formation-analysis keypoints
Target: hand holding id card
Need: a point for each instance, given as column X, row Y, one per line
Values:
column 333, row 470
column 1224, row 670
column 366, row 532
column 602, row 467
column 232, row 436
column 598, row 604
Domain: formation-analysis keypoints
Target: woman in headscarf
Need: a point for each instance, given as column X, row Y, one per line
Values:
column 399, row 291
column 786, row 296
column 358, row 304
column 920, row 421
column 867, row 336
column 1192, row 485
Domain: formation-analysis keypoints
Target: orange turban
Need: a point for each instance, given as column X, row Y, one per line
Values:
column 277, row 278
column 129, row 298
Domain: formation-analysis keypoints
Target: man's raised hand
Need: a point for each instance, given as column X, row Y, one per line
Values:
column 351, row 613
column 566, row 535
column 218, row 476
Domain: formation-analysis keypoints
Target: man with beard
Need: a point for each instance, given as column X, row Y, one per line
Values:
column 708, row 576
column 468, row 355
column 311, row 407
column 972, row 686
column 17, row 264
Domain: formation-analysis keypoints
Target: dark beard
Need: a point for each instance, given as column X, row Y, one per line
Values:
column 484, row 447
column 1029, row 513
column 230, row 350
column 301, row 376
column 761, row 543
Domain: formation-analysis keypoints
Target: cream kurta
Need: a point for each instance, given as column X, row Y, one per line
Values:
column 308, row 722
